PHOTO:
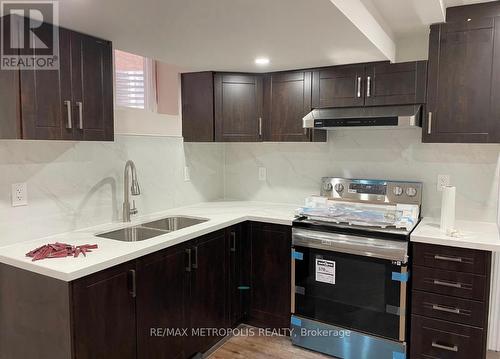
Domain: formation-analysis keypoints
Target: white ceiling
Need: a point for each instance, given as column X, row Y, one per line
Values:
column 230, row 34
column 225, row 34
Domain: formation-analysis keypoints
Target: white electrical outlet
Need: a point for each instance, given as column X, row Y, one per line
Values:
column 19, row 194
column 442, row 181
column 187, row 174
column 262, row 173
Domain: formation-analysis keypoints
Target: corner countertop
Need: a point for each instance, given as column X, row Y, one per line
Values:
column 110, row 252
column 472, row 235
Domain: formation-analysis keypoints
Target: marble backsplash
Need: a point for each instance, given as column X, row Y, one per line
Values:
column 294, row 169
column 73, row 185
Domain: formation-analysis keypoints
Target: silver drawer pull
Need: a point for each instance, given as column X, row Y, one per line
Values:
column 448, row 284
column 69, row 124
column 80, row 114
column 449, row 259
column 445, row 309
column 358, row 94
column 445, row 347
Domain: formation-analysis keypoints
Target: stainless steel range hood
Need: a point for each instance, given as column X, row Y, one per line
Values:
column 373, row 117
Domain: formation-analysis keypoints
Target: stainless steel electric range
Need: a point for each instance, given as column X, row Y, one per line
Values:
column 350, row 268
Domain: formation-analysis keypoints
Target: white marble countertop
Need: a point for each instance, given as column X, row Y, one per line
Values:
column 472, row 235
column 111, row 252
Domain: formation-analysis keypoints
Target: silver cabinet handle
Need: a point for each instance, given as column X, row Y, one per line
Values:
column 429, row 123
column 233, row 241
column 449, row 259
column 133, row 292
column 445, row 309
column 445, row 347
column 195, row 263
column 80, row 114
column 69, row 124
column 260, row 126
column 188, row 253
column 358, row 94
column 368, row 86
column 448, row 284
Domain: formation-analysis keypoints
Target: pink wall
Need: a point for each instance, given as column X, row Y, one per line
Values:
column 168, row 83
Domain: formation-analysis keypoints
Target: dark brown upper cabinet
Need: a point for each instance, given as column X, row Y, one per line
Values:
column 222, row 107
column 463, row 103
column 238, row 107
column 198, row 106
column 395, row 84
column 339, row 86
column 72, row 103
column 10, row 114
column 287, row 99
column 372, row 84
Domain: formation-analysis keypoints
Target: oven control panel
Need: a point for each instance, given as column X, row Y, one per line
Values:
column 372, row 191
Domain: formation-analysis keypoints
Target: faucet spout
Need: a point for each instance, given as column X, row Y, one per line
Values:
column 135, row 190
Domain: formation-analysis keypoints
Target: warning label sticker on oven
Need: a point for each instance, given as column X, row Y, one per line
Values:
column 325, row 271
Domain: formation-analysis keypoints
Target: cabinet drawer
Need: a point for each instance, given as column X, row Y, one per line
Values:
column 448, row 308
column 450, row 258
column 432, row 338
column 463, row 285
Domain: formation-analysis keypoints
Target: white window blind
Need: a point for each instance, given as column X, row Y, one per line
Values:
column 135, row 82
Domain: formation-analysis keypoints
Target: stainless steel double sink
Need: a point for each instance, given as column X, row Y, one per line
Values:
column 152, row 229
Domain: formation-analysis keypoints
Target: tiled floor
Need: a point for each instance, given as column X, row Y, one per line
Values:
column 265, row 347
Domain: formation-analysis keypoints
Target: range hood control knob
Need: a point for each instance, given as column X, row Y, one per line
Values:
column 411, row 192
column 339, row 187
column 398, row 191
column 327, row 186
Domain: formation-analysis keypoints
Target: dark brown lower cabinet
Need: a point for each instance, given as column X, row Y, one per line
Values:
column 207, row 300
column 162, row 298
column 104, row 318
column 270, row 275
column 450, row 301
column 162, row 305
column 239, row 289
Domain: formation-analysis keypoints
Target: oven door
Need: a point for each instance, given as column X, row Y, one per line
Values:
column 352, row 282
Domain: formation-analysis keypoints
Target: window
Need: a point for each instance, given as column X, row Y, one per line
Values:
column 134, row 81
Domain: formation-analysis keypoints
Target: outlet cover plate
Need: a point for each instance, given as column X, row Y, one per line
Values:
column 262, row 173
column 442, row 181
column 19, row 194
column 187, row 174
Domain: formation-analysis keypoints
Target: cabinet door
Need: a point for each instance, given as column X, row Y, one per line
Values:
column 198, row 106
column 104, row 322
column 463, row 59
column 287, row 101
column 10, row 124
column 395, row 84
column 339, row 86
column 92, row 79
column 238, row 107
column 42, row 103
column 208, row 307
column 270, row 275
column 238, row 289
column 162, row 283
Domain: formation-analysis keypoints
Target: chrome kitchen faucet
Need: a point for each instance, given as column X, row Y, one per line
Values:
column 134, row 190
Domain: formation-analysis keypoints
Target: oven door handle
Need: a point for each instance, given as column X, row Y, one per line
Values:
column 344, row 243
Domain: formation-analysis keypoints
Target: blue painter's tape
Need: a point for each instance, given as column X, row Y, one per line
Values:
column 296, row 321
column 400, row 277
column 298, row 255
column 398, row 355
